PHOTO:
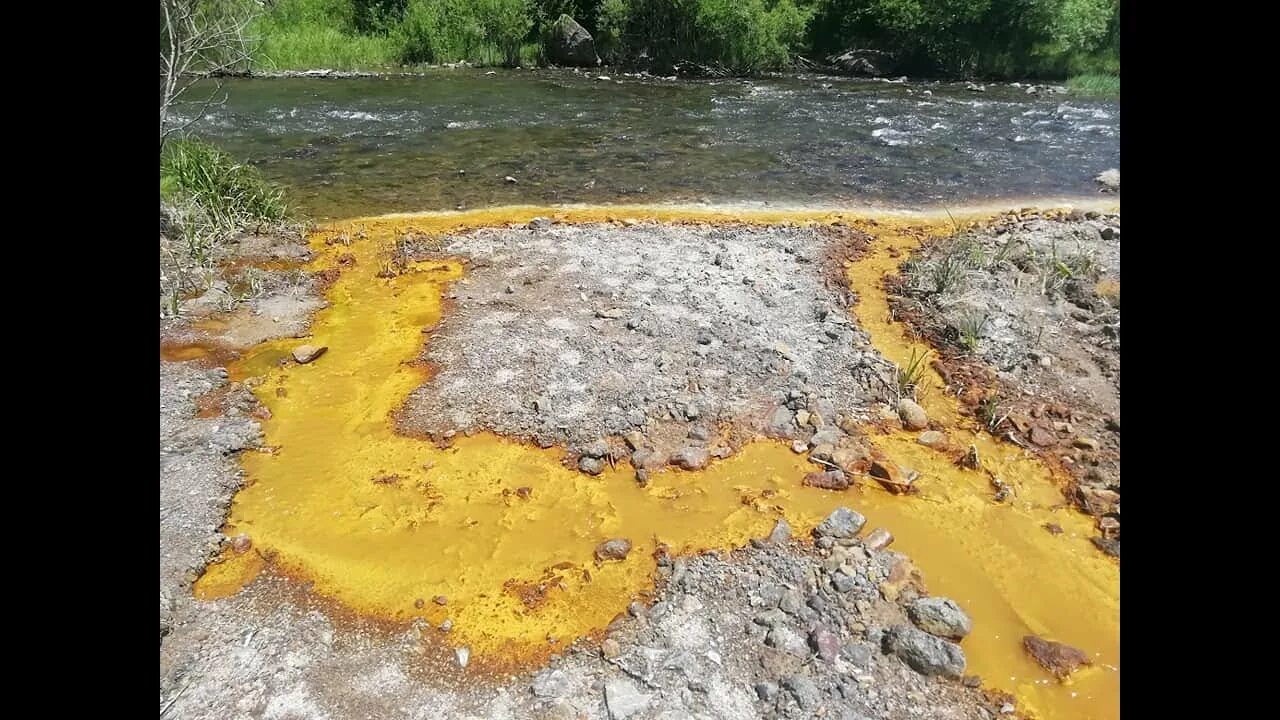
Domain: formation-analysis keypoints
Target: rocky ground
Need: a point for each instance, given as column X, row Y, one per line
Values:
column 668, row 343
column 1025, row 314
column 840, row 627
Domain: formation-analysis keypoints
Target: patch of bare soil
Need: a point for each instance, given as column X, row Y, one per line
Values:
column 1024, row 312
column 683, row 341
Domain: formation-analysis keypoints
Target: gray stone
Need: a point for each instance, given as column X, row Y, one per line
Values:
column 842, row 582
column 791, row 601
column 691, row 458
column 782, row 422
column 540, row 223
column 825, row 436
column 568, row 43
column 925, row 653
column 623, row 698
column 932, row 438
column 550, row 684
column 597, row 449
column 615, row 549
column 766, row 691
column 940, row 616
column 781, row 532
column 857, row 654
column 913, row 416
column 804, row 691
column 843, row 523
column 700, row 432
column 590, row 465
column 787, row 640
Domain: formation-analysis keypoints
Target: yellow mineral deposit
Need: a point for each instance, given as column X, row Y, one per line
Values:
column 384, row 523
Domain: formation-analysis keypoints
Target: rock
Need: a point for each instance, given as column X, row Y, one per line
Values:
column 822, row 452
column 623, row 699
column 1109, row 234
column 1107, row 545
column 904, row 577
column 829, row 480
column 307, row 353
column 642, row 477
column 924, row 653
column 509, row 180
column 799, row 446
column 940, row 616
column 843, row 523
column 550, row 684
column 540, row 223
column 440, row 600
column 1109, row 180
column 610, row 649
column 847, row 458
column 462, row 655
column 933, row 439
column 842, row 581
column 825, row 642
column 869, row 63
column 616, row 549
column 802, row 418
column 1043, row 437
column 785, row 639
column 447, row 625
column 766, row 691
column 647, row 459
column 568, row 43
column 691, row 458
column 781, row 422
column 892, row 477
column 913, row 416
column 879, row 539
column 590, row 465
column 804, row 691
column 634, row 439
column 1086, row 443
column 1057, row 658
column 597, row 449
column 825, row 436
column 1096, row 501
column 791, row 601
column 699, row 432
column 781, row 532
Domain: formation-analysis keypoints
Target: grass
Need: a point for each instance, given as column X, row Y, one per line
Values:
column 989, row 414
column 231, row 194
column 949, row 273
column 910, row 375
column 970, row 330
column 310, row 48
column 1095, row 84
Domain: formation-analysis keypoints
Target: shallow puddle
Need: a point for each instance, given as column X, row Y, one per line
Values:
column 498, row 536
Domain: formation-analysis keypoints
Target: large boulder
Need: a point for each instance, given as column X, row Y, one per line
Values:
column 568, row 43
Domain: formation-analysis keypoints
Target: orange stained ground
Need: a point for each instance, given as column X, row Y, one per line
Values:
column 378, row 521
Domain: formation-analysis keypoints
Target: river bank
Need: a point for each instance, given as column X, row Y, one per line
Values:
column 704, row 633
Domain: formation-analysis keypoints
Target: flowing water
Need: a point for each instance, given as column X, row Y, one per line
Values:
column 352, row 147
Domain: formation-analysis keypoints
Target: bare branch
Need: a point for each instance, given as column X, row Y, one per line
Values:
column 200, row 38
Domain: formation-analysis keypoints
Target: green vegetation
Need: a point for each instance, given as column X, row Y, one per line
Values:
column 232, row 195
column 205, row 199
column 1094, row 84
column 1002, row 39
column 909, row 376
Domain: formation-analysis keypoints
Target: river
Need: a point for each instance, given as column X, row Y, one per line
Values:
column 448, row 139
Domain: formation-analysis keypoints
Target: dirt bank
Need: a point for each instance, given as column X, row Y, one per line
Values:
column 1024, row 312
